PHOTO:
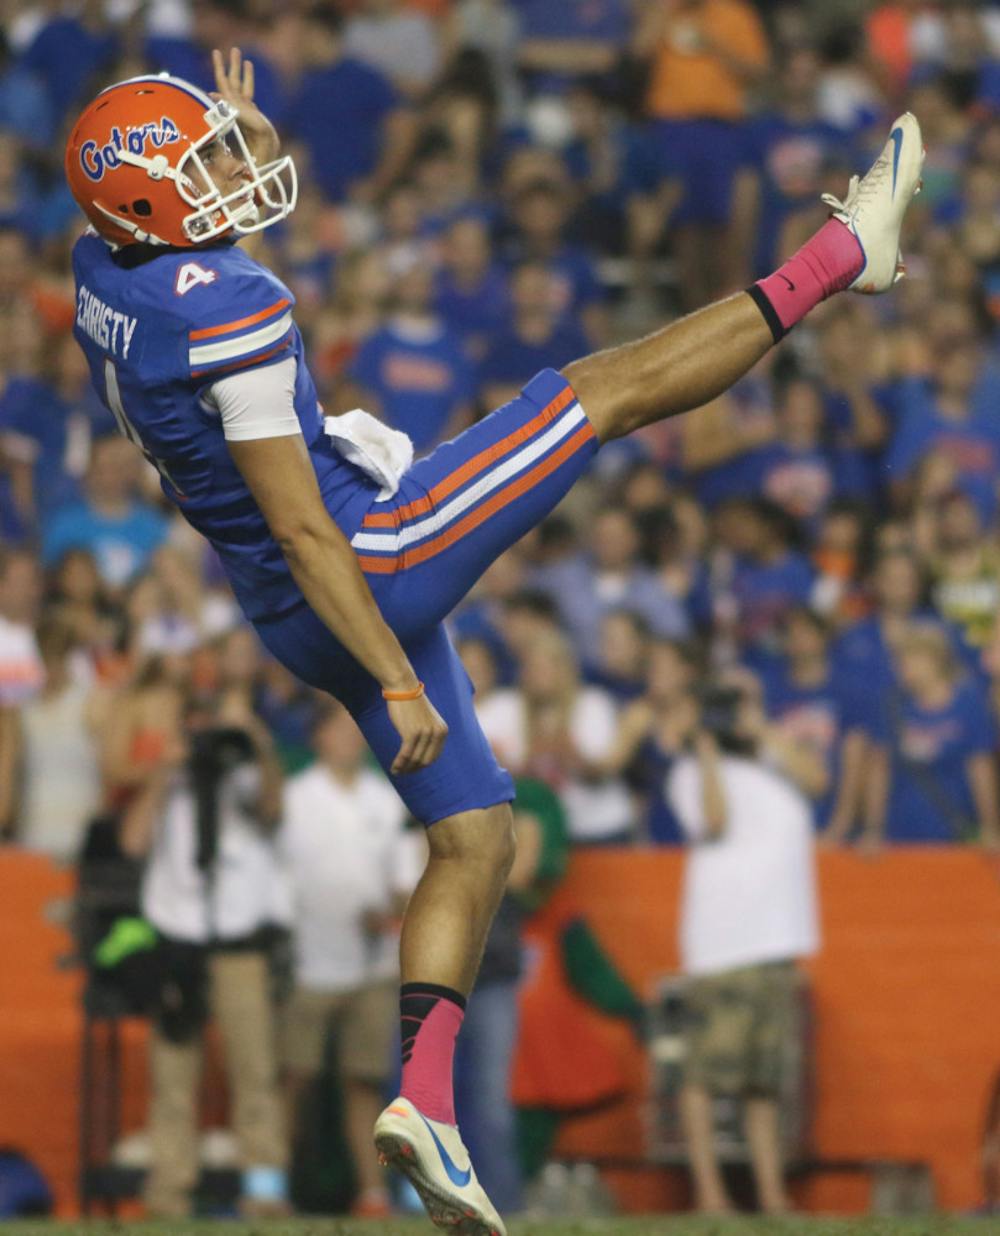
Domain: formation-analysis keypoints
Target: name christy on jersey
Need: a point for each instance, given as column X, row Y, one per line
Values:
column 109, row 328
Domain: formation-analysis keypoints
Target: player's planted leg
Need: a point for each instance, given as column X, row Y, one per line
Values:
column 443, row 936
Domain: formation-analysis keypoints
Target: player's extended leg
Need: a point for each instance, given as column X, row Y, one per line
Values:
column 692, row 361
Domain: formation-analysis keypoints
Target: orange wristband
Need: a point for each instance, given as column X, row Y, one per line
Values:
column 393, row 696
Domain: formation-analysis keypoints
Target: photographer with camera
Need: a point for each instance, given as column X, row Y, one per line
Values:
column 741, row 795
column 212, row 889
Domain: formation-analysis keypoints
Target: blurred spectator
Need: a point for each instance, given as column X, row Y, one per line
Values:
column 560, row 732
column 540, row 216
column 492, row 29
column 957, row 36
column 351, row 870
column 561, row 41
column 77, row 596
column 864, row 652
column 964, row 565
column 348, row 116
column 472, row 295
column 22, row 674
column 609, row 576
column 653, row 732
column 528, row 615
column 840, row 556
column 349, row 316
column 30, row 303
column 222, row 24
column 482, row 617
column 537, row 338
column 69, row 50
column 621, row 666
column 614, row 166
column 395, row 40
column 765, row 577
column 25, row 108
column 58, row 770
column 815, row 707
column 789, row 146
column 185, row 613
column 142, row 720
column 413, row 371
column 932, row 776
column 953, row 415
column 705, row 55
column 204, row 820
column 748, row 914
column 111, row 521
column 47, row 424
column 405, row 243
column 795, row 472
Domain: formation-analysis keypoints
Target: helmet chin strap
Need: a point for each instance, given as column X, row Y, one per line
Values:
column 140, row 234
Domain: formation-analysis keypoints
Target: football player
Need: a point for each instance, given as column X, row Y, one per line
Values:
column 345, row 559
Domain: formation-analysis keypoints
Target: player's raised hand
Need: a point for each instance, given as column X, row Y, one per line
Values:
column 423, row 731
column 234, row 82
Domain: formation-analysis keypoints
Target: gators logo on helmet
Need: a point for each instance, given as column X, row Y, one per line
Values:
column 134, row 164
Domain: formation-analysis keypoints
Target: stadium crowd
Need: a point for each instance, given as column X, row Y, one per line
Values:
column 489, row 188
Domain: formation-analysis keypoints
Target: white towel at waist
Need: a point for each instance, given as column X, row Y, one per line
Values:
column 383, row 453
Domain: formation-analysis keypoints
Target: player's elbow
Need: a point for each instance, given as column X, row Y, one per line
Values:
column 300, row 539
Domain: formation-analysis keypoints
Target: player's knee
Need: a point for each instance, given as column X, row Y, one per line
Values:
column 483, row 838
column 598, row 401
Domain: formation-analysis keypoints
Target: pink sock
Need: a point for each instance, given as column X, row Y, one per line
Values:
column 431, row 1017
column 825, row 264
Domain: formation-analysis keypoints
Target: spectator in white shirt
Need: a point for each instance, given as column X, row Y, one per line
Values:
column 204, row 820
column 748, row 913
column 59, row 783
column 351, row 868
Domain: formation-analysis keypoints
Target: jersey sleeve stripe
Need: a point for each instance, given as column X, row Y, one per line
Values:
column 219, row 370
column 210, row 332
column 242, row 345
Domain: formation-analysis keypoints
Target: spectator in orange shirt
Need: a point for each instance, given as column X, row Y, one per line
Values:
column 705, row 55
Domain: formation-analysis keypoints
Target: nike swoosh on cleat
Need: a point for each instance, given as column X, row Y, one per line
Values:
column 455, row 1174
column 897, row 140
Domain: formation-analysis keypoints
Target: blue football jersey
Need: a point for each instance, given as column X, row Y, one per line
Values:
column 157, row 334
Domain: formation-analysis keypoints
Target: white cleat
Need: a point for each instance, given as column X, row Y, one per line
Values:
column 432, row 1157
column 876, row 204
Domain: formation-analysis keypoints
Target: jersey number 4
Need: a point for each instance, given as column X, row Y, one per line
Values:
column 191, row 275
column 113, row 396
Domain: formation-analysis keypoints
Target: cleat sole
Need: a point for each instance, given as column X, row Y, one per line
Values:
column 442, row 1210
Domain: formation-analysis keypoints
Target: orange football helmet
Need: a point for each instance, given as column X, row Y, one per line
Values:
column 134, row 166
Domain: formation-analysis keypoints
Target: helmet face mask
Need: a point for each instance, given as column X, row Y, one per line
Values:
column 268, row 195
column 138, row 165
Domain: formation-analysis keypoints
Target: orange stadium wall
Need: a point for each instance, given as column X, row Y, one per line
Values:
column 907, row 996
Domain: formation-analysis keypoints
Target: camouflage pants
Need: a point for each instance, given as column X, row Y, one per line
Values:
column 737, row 1023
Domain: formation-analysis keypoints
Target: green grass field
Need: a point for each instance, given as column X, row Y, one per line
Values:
column 652, row 1226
